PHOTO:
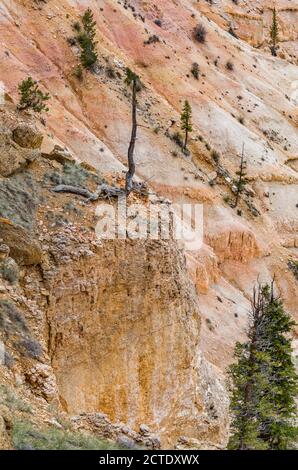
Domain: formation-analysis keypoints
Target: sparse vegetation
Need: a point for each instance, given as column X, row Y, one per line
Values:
column 200, row 33
column 14, row 328
column 195, row 70
column 9, row 270
column 9, row 398
column 177, row 138
column 152, row 40
column 31, row 97
column 19, row 197
column 73, row 175
column 229, row 66
column 26, row 436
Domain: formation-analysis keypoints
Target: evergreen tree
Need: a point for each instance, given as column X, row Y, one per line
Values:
column 186, row 124
column 274, row 33
column 132, row 80
column 241, row 182
column 264, row 380
column 31, row 96
column 86, row 39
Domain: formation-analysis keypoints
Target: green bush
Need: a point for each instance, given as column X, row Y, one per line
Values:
column 32, row 97
column 195, row 70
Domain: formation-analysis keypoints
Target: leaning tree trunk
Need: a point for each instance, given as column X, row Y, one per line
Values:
column 186, row 139
column 131, row 163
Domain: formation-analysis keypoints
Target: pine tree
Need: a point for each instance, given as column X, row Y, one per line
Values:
column 264, row 380
column 31, row 96
column 86, row 39
column 277, row 407
column 274, row 33
column 132, row 79
column 186, row 124
column 241, row 182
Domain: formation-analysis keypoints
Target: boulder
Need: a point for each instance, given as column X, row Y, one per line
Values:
column 13, row 157
column 27, row 136
column 22, row 245
column 60, row 154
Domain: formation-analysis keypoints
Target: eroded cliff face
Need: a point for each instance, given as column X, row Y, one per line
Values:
column 106, row 330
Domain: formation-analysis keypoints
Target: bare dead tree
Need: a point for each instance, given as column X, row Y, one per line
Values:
column 241, row 182
column 132, row 80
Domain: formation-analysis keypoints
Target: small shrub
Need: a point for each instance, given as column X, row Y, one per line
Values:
column 209, row 324
column 195, row 70
column 71, row 41
column 229, row 65
column 241, row 120
column 215, row 155
column 110, row 71
column 31, row 96
column 232, row 32
column 227, row 199
column 77, row 27
column 19, row 197
column 9, row 398
column 177, row 138
column 78, row 72
column 73, row 175
column 30, row 347
column 10, row 270
column 200, row 33
column 11, row 319
column 158, row 22
column 208, row 147
column 152, row 40
column 293, row 266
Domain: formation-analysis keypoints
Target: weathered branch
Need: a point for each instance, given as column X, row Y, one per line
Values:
column 104, row 191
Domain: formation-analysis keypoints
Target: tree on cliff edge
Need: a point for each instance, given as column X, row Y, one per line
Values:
column 186, row 124
column 86, row 39
column 264, row 380
column 274, row 33
column 132, row 80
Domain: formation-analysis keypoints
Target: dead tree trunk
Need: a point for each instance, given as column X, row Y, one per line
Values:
column 241, row 175
column 131, row 163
